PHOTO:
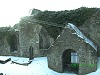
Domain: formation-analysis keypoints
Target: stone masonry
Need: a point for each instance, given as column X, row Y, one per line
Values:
column 91, row 28
column 65, row 41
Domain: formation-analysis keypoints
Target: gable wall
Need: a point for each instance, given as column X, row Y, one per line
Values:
column 67, row 40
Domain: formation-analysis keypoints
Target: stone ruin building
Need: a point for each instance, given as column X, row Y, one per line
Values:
column 70, row 47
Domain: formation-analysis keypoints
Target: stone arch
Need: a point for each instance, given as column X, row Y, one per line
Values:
column 70, row 61
column 13, row 42
column 67, row 40
column 45, row 40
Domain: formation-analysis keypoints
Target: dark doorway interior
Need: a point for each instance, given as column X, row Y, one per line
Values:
column 31, row 53
column 70, row 61
column 13, row 42
column 44, row 39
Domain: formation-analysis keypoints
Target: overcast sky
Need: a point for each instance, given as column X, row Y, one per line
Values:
column 12, row 10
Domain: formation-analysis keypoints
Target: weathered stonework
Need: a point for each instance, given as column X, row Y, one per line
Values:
column 67, row 40
column 33, row 34
column 91, row 28
column 45, row 41
column 28, row 35
column 5, row 49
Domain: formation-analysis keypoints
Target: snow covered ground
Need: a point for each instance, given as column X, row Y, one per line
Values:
column 37, row 67
column 3, row 58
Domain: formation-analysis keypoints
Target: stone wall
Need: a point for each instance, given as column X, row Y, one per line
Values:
column 92, row 29
column 28, row 36
column 67, row 40
column 33, row 34
column 5, row 49
column 45, row 40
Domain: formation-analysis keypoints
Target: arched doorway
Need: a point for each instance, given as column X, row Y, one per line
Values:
column 13, row 42
column 31, row 53
column 70, row 61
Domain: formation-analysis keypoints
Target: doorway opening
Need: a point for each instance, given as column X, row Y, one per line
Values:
column 13, row 42
column 70, row 61
column 31, row 53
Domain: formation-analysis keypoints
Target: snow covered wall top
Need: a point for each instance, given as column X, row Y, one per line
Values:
column 81, row 35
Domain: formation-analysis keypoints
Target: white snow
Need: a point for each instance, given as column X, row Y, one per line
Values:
column 21, row 60
column 37, row 67
column 81, row 35
column 2, row 58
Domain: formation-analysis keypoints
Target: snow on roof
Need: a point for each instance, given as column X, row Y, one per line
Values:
column 81, row 35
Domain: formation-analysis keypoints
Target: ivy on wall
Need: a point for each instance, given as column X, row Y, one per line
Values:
column 77, row 17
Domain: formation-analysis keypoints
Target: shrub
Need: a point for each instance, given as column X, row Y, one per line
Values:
column 77, row 17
